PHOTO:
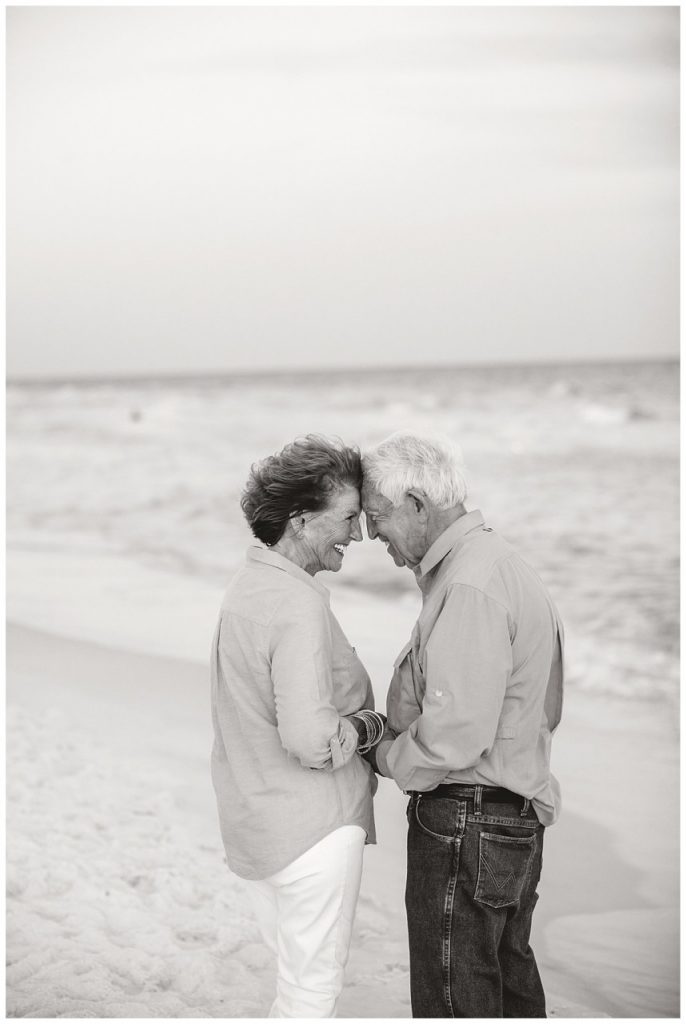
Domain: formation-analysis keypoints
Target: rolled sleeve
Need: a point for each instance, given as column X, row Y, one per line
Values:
column 467, row 663
column 309, row 725
column 381, row 752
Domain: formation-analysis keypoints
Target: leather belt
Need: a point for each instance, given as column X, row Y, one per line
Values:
column 489, row 794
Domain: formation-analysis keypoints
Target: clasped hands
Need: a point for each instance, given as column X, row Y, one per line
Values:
column 363, row 737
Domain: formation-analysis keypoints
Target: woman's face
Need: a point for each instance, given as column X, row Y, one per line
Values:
column 326, row 534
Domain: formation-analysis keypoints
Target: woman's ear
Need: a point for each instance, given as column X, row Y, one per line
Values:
column 297, row 524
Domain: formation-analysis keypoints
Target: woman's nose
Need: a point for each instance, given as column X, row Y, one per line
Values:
column 356, row 531
column 371, row 528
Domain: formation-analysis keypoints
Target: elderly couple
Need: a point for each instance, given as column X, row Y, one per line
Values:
column 474, row 698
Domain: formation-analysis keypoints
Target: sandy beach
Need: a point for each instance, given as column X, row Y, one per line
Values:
column 120, row 904
column 228, row 229
column 123, row 528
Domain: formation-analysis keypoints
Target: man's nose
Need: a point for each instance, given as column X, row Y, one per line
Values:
column 371, row 528
column 356, row 531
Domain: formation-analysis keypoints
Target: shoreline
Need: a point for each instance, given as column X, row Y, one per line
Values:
column 605, row 931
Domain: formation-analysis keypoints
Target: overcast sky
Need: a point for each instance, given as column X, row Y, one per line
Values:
column 192, row 189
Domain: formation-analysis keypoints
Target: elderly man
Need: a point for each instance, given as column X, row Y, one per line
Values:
column 475, row 697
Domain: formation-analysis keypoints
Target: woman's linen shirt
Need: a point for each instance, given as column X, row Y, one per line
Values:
column 284, row 763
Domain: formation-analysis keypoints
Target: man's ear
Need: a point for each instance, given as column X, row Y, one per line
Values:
column 418, row 501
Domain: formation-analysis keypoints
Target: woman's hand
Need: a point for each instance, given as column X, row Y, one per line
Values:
column 370, row 726
column 360, row 727
column 370, row 756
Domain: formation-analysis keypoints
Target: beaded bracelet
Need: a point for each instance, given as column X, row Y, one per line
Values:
column 374, row 726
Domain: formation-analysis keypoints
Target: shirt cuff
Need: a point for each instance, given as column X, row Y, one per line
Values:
column 344, row 745
column 381, row 751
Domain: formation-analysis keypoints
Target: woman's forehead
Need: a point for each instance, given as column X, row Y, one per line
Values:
column 345, row 499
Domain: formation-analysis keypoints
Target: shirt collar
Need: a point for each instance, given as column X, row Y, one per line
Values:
column 448, row 540
column 265, row 556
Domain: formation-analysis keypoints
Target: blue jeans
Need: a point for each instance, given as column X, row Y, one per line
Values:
column 473, row 864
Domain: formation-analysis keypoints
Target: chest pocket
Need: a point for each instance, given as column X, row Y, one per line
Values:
column 407, row 669
column 403, row 654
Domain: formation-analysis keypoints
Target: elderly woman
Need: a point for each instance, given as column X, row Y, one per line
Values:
column 292, row 712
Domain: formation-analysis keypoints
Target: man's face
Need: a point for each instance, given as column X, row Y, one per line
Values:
column 402, row 528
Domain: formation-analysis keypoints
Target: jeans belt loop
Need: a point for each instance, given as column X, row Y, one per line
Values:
column 478, row 793
column 525, row 807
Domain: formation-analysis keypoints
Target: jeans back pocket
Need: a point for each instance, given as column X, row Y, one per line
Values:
column 504, row 863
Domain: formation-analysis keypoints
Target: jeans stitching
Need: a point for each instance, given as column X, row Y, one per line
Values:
column 492, row 819
column 499, row 886
column 434, row 835
column 448, row 923
column 532, row 860
column 483, row 863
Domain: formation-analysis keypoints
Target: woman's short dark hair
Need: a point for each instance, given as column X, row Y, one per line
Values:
column 300, row 478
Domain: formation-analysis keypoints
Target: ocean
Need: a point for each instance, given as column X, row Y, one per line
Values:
column 577, row 465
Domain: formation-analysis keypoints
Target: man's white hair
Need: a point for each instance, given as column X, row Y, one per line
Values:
column 405, row 461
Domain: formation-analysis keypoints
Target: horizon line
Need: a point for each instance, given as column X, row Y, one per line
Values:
column 174, row 376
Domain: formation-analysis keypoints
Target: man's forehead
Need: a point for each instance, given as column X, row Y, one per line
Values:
column 373, row 501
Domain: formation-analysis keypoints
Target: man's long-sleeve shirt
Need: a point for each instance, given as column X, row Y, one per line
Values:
column 477, row 692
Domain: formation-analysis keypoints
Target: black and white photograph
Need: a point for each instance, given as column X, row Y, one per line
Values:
column 342, row 511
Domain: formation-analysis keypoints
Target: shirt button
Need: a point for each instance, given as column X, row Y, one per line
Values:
column 439, row 693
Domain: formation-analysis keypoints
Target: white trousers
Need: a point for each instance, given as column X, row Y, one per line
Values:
column 305, row 914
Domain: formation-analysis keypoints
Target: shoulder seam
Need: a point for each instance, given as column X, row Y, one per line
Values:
column 244, row 617
column 286, row 598
column 479, row 590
